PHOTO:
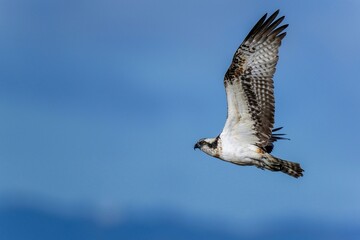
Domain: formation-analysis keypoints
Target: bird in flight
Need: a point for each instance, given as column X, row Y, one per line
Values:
column 248, row 135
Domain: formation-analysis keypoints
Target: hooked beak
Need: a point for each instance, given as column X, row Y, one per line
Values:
column 197, row 145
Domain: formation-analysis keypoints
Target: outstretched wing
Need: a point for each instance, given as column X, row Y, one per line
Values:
column 249, row 83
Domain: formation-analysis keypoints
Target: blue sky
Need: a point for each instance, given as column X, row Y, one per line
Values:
column 102, row 102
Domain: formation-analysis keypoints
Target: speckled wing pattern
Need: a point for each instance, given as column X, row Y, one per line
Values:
column 249, row 79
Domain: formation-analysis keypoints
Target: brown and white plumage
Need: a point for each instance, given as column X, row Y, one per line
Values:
column 247, row 137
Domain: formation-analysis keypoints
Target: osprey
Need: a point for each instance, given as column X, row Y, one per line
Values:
column 248, row 135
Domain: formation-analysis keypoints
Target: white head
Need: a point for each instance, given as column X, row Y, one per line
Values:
column 210, row 146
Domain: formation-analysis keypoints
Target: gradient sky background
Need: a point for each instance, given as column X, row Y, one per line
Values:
column 102, row 102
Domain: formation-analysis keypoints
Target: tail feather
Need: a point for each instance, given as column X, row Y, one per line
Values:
column 291, row 168
column 276, row 164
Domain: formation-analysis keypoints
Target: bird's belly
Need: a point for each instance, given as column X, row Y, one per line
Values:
column 241, row 155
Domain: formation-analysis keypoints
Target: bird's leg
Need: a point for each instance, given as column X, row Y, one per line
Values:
column 259, row 163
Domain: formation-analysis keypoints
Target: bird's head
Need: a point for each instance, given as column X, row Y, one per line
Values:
column 209, row 146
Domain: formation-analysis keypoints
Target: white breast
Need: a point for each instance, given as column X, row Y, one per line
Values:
column 242, row 154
